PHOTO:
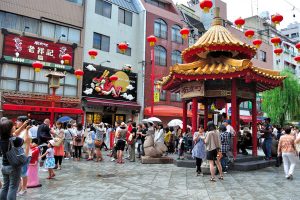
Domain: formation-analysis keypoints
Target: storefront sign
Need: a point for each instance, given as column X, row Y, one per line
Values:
column 156, row 97
column 192, row 89
column 22, row 49
column 107, row 83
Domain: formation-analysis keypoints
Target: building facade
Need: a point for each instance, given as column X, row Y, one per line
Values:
column 40, row 31
column 113, row 81
column 292, row 31
column 164, row 22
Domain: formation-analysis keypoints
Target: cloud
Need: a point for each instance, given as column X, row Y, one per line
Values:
column 91, row 67
column 130, row 87
column 88, row 91
column 126, row 96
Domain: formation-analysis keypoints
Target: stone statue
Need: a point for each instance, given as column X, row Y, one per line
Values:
column 151, row 148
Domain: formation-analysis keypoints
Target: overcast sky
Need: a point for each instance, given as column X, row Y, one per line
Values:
column 237, row 8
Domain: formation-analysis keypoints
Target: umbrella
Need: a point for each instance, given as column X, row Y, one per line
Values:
column 175, row 122
column 64, row 119
column 154, row 119
column 145, row 120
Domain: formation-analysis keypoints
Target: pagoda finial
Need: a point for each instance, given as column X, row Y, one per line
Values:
column 217, row 20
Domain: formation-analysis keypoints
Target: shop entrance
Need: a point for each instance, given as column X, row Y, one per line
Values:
column 107, row 118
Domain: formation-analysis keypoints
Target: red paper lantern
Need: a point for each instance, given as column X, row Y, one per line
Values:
column 93, row 53
column 184, row 32
column 66, row 58
column 257, row 43
column 206, row 5
column 278, row 51
column 298, row 46
column 275, row 41
column 239, row 22
column 37, row 66
column 297, row 59
column 78, row 73
column 123, row 47
column 277, row 18
column 152, row 40
column 249, row 33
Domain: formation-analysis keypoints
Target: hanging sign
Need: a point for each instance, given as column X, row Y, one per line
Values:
column 156, row 97
column 192, row 89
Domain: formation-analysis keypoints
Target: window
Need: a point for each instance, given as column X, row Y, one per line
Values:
column 127, row 52
column 263, row 56
column 176, row 36
column 56, row 31
column 294, row 35
column 76, row 1
column 160, row 28
column 33, row 25
column 103, row 8
column 157, row 3
column 176, row 57
column 125, row 17
column 163, row 95
column 175, row 97
column 9, row 71
column 101, row 42
column 160, row 56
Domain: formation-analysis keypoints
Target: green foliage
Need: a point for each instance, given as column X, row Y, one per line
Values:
column 282, row 102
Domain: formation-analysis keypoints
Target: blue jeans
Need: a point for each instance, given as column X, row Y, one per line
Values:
column 224, row 162
column 267, row 146
column 11, row 181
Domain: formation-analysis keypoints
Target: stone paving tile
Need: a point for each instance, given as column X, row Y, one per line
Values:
column 80, row 180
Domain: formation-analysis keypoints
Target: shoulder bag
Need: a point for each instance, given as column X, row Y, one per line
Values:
column 15, row 155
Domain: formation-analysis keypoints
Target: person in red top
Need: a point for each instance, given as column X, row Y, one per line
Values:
column 33, row 177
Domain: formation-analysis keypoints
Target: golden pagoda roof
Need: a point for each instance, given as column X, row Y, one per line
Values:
column 218, row 38
column 218, row 66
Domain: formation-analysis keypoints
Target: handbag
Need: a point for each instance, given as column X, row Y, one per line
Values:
column 98, row 143
column 57, row 141
column 219, row 155
column 15, row 155
column 130, row 140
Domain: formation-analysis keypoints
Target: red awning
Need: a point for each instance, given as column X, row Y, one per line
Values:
column 166, row 111
column 248, row 119
column 105, row 102
column 41, row 109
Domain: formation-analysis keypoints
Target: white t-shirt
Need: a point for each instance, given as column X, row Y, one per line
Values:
column 22, row 135
column 33, row 131
column 230, row 129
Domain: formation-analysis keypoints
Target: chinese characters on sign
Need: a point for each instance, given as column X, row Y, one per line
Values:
column 35, row 49
column 192, row 89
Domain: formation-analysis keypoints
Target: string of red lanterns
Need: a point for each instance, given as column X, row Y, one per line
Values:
column 249, row 33
column 257, row 43
column 277, row 18
column 239, row 22
column 276, row 41
column 206, row 5
column 278, row 51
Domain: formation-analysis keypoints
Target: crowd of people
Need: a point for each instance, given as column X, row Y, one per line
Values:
column 47, row 147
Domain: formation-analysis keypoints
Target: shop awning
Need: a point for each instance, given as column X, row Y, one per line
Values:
column 248, row 119
column 166, row 111
column 41, row 109
column 105, row 102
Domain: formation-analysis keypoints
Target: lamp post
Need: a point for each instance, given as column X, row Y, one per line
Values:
column 152, row 40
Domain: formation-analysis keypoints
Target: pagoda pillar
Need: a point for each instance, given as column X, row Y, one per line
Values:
column 205, row 115
column 184, row 115
column 234, row 115
column 254, row 126
column 194, row 114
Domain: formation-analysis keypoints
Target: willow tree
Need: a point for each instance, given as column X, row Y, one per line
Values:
column 282, row 103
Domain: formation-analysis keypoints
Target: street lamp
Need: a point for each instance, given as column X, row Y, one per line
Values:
column 152, row 40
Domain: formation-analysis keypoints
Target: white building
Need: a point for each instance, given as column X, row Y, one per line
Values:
column 108, row 23
column 292, row 31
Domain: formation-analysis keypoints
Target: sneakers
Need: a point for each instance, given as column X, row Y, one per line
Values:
column 21, row 193
column 67, row 158
column 112, row 159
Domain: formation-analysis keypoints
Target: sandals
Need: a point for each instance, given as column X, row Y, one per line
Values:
column 212, row 179
column 221, row 177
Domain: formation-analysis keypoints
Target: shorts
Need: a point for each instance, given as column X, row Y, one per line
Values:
column 212, row 155
column 120, row 145
column 67, row 146
column 24, row 168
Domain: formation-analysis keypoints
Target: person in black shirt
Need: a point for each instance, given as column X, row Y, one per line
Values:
column 11, row 175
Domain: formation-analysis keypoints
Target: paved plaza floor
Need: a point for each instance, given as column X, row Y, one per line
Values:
column 88, row 180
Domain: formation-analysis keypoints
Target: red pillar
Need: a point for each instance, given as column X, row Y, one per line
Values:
column 152, row 80
column 52, row 107
column 238, row 122
column 205, row 115
column 184, row 115
column 234, row 115
column 82, row 118
column 194, row 114
column 254, row 127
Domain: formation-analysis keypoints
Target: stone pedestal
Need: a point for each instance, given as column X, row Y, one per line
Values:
column 161, row 160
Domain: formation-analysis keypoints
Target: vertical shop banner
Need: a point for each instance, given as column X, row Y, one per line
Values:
column 156, row 97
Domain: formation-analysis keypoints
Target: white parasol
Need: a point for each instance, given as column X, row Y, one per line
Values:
column 175, row 122
column 154, row 119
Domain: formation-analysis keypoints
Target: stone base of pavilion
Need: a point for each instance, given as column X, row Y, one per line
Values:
column 161, row 160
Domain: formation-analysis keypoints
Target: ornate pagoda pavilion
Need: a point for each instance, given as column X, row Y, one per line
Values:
column 218, row 70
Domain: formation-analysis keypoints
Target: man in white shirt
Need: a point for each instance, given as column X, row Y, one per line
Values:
column 33, row 129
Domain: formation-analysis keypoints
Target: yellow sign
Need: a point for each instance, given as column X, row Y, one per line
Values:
column 156, row 96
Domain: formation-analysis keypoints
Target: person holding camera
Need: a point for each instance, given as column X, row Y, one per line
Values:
column 25, row 135
column 267, row 130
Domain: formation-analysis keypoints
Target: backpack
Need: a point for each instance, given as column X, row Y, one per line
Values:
column 78, row 137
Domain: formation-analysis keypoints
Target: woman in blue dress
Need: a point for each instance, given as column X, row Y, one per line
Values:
column 198, row 151
column 90, row 141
